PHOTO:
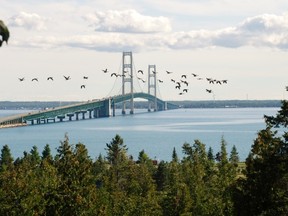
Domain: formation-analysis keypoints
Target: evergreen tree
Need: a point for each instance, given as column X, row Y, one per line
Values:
column 265, row 188
column 100, row 166
column 226, row 179
column 174, row 155
column 46, row 153
column 223, row 155
column 199, row 179
column 175, row 199
column 116, row 150
column 35, row 156
column 118, row 178
column 143, row 157
column 234, row 157
column 141, row 190
column 76, row 191
column 24, row 188
column 161, row 176
column 210, row 154
column 6, row 160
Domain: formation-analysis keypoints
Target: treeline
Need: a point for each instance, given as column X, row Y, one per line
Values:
column 201, row 183
column 73, row 184
column 30, row 105
column 213, row 104
column 228, row 103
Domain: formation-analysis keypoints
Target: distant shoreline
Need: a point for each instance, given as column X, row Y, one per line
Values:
column 40, row 105
column 229, row 104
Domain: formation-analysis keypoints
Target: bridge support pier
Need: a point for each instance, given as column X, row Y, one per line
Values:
column 70, row 115
column 113, row 107
column 61, row 118
column 96, row 113
column 90, row 113
column 77, row 115
column 83, row 114
column 104, row 111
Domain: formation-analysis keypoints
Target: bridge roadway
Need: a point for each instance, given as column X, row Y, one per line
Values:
column 96, row 108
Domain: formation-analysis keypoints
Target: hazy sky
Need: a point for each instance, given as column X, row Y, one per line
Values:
column 244, row 42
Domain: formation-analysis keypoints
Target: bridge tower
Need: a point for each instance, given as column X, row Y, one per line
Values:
column 152, row 85
column 127, row 77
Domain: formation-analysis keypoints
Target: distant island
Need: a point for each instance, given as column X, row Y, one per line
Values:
column 40, row 105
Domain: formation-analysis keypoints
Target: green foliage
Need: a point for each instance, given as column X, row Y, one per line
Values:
column 4, row 33
column 35, row 157
column 76, row 189
column 174, row 155
column 210, row 154
column 175, row 198
column 116, row 150
column 264, row 191
column 143, row 157
column 234, row 157
column 200, row 176
column 46, row 153
column 161, row 176
column 6, row 159
column 226, row 178
column 71, row 183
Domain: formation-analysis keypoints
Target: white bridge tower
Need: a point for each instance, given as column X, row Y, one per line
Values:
column 152, row 85
column 127, row 78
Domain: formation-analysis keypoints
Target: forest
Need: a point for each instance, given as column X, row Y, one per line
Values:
column 201, row 183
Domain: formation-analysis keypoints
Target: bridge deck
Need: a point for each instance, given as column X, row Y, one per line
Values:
column 100, row 108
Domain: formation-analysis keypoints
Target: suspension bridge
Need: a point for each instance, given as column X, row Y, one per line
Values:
column 104, row 107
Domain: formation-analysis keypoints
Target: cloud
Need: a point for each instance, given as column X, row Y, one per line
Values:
column 265, row 23
column 265, row 30
column 128, row 21
column 129, row 30
column 30, row 21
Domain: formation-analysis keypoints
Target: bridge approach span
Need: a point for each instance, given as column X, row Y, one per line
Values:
column 95, row 108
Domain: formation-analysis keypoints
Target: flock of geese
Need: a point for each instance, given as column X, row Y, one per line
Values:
column 181, row 84
column 50, row 78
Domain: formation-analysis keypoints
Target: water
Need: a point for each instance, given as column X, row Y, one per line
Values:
column 156, row 132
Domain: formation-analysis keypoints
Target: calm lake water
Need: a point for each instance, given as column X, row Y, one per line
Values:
column 156, row 132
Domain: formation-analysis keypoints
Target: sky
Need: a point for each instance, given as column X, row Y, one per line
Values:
column 244, row 42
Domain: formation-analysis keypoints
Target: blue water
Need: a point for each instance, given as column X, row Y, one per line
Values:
column 156, row 132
